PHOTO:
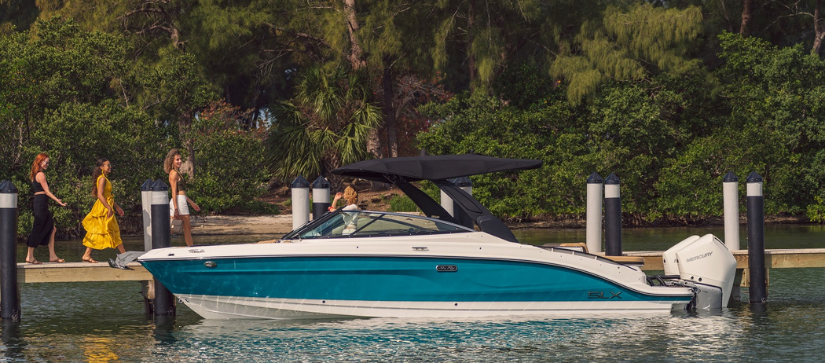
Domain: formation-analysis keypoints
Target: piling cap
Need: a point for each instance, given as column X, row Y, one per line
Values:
column 463, row 182
column 612, row 179
column 754, row 178
column 159, row 186
column 595, row 178
column 730, row 177
column 146, row 186
column 320, row 182
column 299, row 182
column 7, row 187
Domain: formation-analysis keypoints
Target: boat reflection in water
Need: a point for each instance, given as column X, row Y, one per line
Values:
column 403, row 265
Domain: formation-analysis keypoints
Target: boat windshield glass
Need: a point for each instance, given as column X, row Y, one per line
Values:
column 369, row 224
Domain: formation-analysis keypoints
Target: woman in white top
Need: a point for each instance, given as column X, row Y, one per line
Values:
column 178, row 208
column 351, row 196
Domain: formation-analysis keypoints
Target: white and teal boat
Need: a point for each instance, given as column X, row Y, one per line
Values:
column 405, row 265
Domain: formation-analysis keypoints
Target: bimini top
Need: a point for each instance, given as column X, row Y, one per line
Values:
column 433, row 167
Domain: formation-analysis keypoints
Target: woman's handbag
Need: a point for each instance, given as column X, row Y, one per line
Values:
column 176, row 226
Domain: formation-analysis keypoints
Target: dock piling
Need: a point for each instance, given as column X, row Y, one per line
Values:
column 758, row 292
column 595, row 190
column 730, row 192
column 466, row 185
column 161, row 237
column 320, row 197
column 9, row 289
column 146, row 206
column 447, row 202
column 612, row 216
column 300, row 201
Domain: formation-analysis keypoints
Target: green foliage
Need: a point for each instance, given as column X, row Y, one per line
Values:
column 484, row 125
column 629, row 45
column 402, row 203
column 61, row 83
column 230, row 173
column 776, row 98
column 325, row 126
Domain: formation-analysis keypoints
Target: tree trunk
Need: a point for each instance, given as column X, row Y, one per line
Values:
column 389, row 110
column 188, row 166
column 818, row 31
column 747, row 9
column 374, row 144
column 471, row 59
column 356, row 56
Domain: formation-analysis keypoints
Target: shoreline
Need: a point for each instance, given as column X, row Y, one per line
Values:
column 282, row 224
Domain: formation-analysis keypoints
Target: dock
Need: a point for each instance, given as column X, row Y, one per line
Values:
column 774, row 258
column 79, row 272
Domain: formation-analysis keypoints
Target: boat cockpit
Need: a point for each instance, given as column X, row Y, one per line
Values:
column 355, row 223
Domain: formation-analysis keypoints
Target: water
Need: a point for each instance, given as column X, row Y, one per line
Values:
column 104, row 322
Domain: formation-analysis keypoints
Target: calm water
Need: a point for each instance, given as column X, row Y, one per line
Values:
column 104, row 322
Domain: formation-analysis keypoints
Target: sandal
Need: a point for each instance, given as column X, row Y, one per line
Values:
column 34, row 262
column 59, row 260
column 90, row 260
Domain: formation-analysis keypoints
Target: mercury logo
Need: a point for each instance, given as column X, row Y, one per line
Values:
column 699, row 257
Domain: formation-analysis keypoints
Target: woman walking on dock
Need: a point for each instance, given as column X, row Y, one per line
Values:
column 43, row 229
column 179, row 203
column 101, row 227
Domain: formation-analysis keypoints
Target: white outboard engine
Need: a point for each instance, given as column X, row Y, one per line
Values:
column 705, row 264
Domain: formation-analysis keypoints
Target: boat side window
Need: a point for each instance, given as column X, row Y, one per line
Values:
column 371, row 224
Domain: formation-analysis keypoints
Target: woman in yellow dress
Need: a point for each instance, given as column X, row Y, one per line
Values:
column 101, row 227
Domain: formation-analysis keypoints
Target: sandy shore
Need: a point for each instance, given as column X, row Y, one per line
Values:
column 218, row 225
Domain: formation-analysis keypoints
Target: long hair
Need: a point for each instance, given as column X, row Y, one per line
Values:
column 36, row 164
column 96, row 174
column 350, row 195
column 170, row 158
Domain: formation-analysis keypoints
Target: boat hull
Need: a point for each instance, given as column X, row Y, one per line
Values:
column 229, row 307
column 325, row 286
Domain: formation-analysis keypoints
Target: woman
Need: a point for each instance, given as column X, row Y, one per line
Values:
column 101, row 226
column 43, row 229
column 179, row 203
column 351, row 196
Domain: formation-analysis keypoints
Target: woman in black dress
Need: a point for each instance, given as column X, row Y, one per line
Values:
column 43, row 229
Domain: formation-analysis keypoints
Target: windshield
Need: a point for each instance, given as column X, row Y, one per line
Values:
column 343, row 223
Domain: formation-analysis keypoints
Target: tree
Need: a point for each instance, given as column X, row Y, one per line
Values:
column 629, row 45
column 324, row 126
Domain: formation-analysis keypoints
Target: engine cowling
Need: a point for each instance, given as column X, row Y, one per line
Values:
column 705, row 263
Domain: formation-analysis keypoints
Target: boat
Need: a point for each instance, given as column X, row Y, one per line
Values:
column 430, row 264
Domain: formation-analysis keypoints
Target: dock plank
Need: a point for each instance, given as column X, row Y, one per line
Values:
column 774, row 258
column 79, row 272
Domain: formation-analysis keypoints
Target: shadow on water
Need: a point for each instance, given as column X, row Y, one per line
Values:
column 12, row 343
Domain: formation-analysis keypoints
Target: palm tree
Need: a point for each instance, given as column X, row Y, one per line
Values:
column 324, row 126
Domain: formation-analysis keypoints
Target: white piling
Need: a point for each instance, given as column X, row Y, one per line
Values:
column 595, row 190
column 146, row 204
column 730, row 191
column 447, row 203
column 300, row 202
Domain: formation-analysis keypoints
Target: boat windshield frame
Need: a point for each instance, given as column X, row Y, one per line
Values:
column 357, row 224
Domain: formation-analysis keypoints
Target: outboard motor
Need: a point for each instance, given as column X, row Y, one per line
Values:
column 705, row 264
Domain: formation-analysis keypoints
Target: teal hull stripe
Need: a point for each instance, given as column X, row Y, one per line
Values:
column 389, row 278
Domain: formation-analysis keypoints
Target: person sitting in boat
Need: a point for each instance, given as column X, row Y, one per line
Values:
column 351, row 197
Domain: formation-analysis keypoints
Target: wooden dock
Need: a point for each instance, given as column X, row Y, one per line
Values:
column 79, row 272
column 775, row 258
